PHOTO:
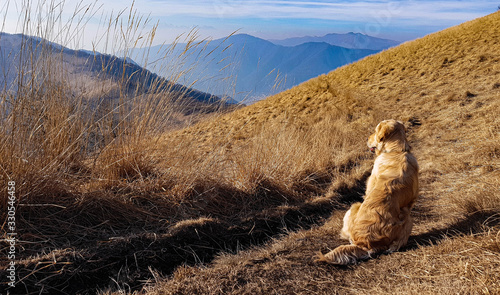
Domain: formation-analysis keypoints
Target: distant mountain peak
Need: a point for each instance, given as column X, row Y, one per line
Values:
column 242, row 38
column 349, row 40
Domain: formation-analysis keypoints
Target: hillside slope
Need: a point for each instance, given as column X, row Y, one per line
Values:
column 446, row 87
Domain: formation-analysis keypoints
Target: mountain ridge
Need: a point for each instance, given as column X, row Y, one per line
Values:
column 90, row 64
column 250, row 68
column 348, row 40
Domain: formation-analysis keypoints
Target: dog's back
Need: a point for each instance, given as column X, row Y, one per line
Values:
column 382, row 222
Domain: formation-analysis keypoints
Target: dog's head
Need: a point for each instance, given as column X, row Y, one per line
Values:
column 390, row 135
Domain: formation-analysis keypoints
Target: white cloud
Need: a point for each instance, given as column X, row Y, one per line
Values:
column 340, row 10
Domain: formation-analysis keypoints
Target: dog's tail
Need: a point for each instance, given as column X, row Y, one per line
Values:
column 343, row 255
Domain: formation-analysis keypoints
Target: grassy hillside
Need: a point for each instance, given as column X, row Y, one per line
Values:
column 263, row 188
column 446, row 87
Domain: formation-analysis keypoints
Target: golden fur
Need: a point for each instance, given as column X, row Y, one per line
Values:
column 382, row 222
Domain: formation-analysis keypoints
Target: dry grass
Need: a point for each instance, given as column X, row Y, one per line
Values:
column 454, row 264
column 115, row 201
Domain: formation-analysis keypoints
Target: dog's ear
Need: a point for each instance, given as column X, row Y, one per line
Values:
column 405, row 128
column 384, row 130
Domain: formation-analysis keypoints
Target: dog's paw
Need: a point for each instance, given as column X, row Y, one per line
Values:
column 319, row 258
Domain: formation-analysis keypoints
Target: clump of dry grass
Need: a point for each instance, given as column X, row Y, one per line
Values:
column 62, row 120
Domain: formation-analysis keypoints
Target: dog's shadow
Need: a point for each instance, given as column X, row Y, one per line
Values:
column 472, row 224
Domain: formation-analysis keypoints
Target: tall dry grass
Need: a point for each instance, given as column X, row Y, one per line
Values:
column 60, row 126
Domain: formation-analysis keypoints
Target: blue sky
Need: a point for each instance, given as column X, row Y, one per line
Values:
column 399, row 20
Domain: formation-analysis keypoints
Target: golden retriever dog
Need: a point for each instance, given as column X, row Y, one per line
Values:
column 382, row 223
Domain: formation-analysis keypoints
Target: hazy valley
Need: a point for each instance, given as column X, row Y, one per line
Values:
column 248, row 68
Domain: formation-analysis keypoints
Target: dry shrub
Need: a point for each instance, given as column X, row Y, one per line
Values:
column 128, row 162
column 480, row 197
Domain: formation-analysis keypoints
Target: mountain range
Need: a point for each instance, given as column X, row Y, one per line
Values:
column 239, row 68
column 91, row 74
column 349, row 40
column 248, row 68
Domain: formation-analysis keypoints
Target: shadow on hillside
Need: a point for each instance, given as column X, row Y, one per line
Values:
column 129, row 260
column 472, row 224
